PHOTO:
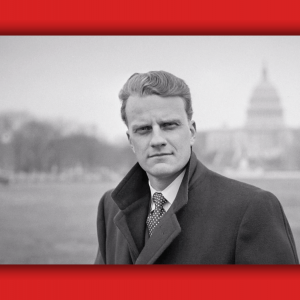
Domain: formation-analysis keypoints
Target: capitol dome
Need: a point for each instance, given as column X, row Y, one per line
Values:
column 264, row 111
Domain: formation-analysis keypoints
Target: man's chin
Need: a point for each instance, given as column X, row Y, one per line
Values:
column 162, row 170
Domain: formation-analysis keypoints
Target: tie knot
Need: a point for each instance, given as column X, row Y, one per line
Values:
column 159, row 199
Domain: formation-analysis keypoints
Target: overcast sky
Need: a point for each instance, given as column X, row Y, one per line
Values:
column 78, row 78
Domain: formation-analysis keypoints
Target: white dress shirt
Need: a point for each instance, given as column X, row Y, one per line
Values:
column 169, row 192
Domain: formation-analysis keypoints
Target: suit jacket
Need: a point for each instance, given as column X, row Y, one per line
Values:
column 213, row 220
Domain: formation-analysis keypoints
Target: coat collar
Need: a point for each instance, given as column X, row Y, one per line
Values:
column 132, row 196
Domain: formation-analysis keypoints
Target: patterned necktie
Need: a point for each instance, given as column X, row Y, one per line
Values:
column 155, row 216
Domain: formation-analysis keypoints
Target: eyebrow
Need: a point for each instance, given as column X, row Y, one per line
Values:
column 172, row 120
column 163, row 120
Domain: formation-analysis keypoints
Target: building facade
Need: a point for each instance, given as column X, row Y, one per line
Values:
column 264, row 142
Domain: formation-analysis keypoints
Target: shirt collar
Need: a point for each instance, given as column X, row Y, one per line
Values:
column 169, row 192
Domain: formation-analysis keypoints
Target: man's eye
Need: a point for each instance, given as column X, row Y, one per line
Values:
column 169, row 125
column 143, row 129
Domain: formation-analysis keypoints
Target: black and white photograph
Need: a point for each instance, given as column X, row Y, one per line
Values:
column 149, row 150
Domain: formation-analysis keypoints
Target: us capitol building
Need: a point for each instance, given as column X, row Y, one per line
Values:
column 263, row 143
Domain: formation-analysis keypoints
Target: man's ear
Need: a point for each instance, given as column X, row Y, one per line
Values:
column 193, row 131
column 129, row 140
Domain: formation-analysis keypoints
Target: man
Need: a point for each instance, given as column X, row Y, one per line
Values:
column 169, row 208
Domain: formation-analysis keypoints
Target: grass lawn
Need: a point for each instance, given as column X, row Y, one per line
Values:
column 49, row 223
column 56, row 223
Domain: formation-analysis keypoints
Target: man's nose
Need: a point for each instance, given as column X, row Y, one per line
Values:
column 157, row 139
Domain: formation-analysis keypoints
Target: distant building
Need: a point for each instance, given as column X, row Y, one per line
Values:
column 264, row 141
column 265, row 130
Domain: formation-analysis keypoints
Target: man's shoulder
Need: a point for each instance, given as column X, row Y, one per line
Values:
column 232, row 184
column 232, row 190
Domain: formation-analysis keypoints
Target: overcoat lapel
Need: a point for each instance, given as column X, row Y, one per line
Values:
column 167, row 229
column 163, row 235
column 132, row 196
column 131, row 223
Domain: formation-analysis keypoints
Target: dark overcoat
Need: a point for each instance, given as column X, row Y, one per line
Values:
column 213, row 220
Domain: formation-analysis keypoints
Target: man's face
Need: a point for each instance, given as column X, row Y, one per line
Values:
column 160, row 134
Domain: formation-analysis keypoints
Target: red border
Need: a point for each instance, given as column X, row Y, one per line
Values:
column 135, row 282
column 149, row 17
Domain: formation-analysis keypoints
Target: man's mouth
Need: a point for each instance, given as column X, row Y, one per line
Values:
column 160, row 154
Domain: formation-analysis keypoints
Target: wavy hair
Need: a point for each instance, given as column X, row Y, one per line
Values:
column 159, row 83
